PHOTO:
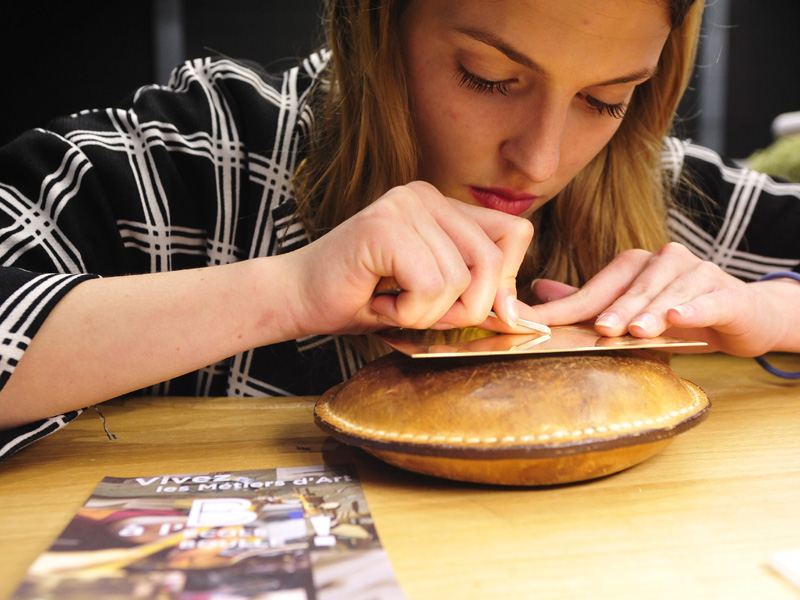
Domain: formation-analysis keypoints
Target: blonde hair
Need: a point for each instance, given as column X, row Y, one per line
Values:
column 363, row 111
column 618, row 201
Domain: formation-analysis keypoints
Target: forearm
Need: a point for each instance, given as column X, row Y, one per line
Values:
column 111, row 336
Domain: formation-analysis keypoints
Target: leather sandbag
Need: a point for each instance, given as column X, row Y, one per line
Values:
column 529, row 420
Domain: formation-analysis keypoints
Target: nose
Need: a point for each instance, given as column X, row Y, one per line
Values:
column 533, row 146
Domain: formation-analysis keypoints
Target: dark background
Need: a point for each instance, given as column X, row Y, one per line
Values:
column 64, row 57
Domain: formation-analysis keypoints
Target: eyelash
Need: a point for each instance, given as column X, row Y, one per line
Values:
column 615, row 111
column 484, row 86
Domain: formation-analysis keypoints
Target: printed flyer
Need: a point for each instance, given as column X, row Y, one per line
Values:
column 302, row 533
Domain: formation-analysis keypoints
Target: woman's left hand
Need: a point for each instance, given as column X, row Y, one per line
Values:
column 674, row 292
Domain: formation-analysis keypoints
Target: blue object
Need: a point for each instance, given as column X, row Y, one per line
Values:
column 760, row 359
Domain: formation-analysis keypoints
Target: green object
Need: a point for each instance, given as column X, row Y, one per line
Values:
column 780, row 159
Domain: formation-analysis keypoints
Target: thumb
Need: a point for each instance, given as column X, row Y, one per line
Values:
column 547, row 290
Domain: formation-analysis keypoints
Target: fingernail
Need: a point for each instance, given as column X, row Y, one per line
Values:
column 534, row 326
column 442, row 326
column 646, row 322
column 682, row 309
column 533, row 291
column 608, row 320
column 512, row 314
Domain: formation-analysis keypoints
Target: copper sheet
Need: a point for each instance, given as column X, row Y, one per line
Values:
column 473, row 341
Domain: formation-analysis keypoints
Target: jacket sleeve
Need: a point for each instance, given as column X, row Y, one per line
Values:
column 45, row 247
column 142, row 187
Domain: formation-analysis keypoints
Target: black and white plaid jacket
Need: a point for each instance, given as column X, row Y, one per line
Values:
column 198, row 172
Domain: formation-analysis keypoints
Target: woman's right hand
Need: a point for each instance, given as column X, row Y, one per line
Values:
column 454, row 262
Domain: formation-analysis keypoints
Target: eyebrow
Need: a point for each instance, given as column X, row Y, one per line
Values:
column 518, row 57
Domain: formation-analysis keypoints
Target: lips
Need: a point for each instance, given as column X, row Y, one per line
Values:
column 504, row 200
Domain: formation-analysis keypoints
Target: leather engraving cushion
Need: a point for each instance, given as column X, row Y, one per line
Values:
column 533, row 420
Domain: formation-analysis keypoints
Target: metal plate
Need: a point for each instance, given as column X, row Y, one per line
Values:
column 473, row 341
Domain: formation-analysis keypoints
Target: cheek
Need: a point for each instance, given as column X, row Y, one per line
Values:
column 585, row 140
column 434, row 102
column 442, row 123
column 455, row 146
column 450, row 122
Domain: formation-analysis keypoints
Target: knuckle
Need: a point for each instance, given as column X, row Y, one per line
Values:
column 446, row 287
column 385, row 207
column 639, row 290
column 707, row 269
column 633, row 255
column 422, row 189
column 582, row 295
column 460, row 279
column 674, row 249
column 393, row 209
column 391, row 195
column 524, row 228
column 475, row 313
column 432, row 286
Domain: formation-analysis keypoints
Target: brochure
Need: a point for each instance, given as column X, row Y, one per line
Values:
column 301, row 533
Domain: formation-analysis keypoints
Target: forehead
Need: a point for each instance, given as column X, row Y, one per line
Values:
column 603, row 38
column 606, row 18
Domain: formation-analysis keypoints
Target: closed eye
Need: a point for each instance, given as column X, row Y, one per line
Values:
column 479, row 84
column 617, row 111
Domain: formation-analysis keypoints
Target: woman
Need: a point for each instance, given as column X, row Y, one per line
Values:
column 440, row 131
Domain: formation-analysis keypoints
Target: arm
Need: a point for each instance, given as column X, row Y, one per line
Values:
column 148, row 196
column 114, row 335
column 111, row 336
column 123, row 191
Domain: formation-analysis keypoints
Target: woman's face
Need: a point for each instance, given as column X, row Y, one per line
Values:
column 511, row 98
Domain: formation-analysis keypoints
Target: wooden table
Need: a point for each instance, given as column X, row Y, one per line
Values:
column 699, row 520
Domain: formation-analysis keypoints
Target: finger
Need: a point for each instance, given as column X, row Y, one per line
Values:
column 738, row 318
column 547, row 290
column 704, row 311
column 700, row 280
column 484, row 261
column 598, row 293
column 529, row 321
column 401, row 239
column 463, row 283
column 662, row 282
column 494, row 262
column 478, row 253
column 720, row 309
column 712, row 318
column 431, row 273
column 430, row 299
column 491, row 245
column 424, row 297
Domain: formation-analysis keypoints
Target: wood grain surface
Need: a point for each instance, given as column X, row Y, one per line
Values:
column 698, row 520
